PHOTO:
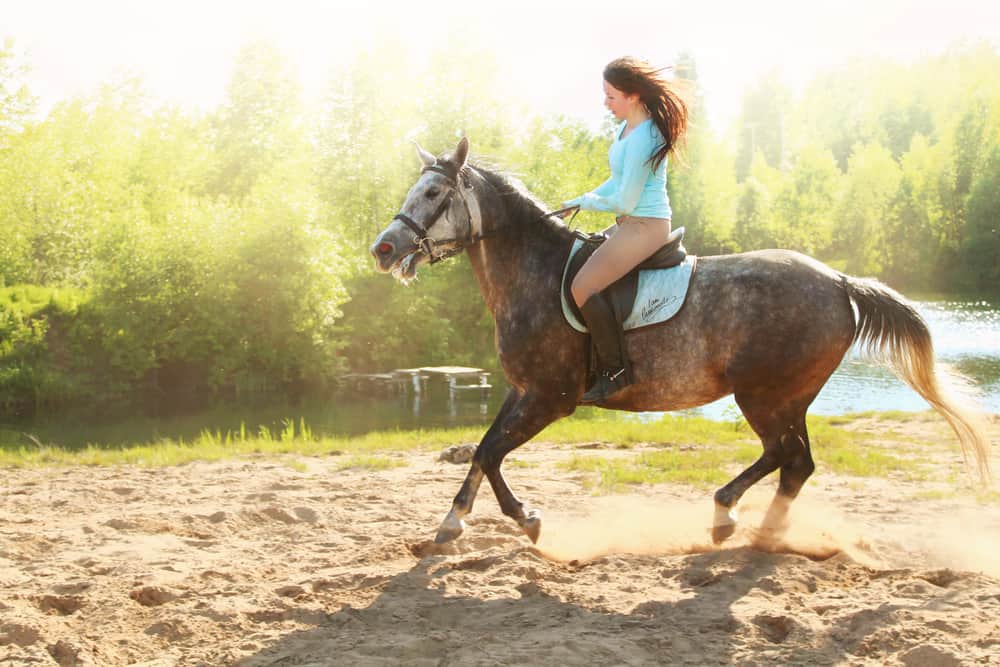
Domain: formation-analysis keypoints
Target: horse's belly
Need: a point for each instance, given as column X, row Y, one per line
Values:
column 668, row 393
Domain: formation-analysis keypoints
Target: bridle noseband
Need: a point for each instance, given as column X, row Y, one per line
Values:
column 425, row 243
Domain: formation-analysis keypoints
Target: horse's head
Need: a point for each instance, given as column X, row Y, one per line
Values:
column 439, row 217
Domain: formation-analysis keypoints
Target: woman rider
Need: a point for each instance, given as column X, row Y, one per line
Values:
column 655, row 119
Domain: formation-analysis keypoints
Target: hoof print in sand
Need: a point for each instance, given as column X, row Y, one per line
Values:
column 775, row 628
column 61, row 605
column 152, row 596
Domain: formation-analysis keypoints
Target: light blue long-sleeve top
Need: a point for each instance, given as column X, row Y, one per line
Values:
column 634, row 188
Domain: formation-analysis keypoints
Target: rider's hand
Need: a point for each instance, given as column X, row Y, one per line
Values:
column 570, row 210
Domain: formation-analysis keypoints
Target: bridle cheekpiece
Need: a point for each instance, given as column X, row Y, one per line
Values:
column 425, row 243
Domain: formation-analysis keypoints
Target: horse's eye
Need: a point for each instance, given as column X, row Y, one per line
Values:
column 432, row 193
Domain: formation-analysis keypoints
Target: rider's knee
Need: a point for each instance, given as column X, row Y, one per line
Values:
column 581, row 291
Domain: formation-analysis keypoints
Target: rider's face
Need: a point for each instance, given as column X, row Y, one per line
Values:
column 617, row 102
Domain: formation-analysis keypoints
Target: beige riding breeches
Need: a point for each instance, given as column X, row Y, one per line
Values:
column 633, row 240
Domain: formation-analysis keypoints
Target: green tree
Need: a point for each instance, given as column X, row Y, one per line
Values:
column 870, row 185
column 701, row 183
column 981, row 247
column 260, row 121
column 363, row 156
column 804, row 207
column 16, row 107
column 752, row 229
column 762, row 125
column 17, row 104
column 71, row 181
column 912, row 245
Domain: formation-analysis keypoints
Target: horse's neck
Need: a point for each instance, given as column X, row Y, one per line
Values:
column 519, row 262
column 517, row 266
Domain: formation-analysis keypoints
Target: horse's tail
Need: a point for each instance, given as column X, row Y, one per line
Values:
column 893, row 333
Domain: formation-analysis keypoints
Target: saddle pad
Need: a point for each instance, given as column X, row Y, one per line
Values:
column 659, row 297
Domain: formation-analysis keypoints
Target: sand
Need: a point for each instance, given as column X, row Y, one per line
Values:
column 258, row 562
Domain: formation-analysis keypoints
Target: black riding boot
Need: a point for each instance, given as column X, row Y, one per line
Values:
column 613, row 372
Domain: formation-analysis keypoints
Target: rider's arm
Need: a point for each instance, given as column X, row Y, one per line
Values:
column 605, row 188
column 623, row 198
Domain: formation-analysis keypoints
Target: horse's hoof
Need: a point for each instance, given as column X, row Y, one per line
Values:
column 447, row 534
column 724, row 523
column 532, row 525
column 450, row 528
column 722, row 533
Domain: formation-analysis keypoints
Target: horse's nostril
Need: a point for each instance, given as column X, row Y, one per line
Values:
column 384, row 248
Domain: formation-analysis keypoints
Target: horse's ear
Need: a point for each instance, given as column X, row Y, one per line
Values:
column 461, row 153
column 425, row 157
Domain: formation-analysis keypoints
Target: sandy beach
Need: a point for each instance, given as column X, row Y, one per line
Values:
column 260, row 562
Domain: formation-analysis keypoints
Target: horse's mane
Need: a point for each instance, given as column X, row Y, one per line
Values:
column 523, row 208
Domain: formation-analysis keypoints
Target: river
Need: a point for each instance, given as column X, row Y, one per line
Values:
column 966, row 336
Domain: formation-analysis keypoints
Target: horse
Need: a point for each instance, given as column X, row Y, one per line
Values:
column 768, row 326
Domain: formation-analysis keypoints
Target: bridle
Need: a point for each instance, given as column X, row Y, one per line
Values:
column 427, row 245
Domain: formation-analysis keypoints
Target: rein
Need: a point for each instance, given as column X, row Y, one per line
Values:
column 427, row 245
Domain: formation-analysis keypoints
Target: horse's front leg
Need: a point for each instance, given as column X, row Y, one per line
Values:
column 521, row 417
column 452, row 526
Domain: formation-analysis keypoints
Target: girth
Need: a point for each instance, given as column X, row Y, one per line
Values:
column 622, row 292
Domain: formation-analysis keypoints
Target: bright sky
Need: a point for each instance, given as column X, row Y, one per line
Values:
column 551, row 54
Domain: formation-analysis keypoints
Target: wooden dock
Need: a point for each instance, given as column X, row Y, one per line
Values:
column 460, row 380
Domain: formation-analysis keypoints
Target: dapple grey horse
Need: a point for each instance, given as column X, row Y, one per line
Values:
column 768, row 326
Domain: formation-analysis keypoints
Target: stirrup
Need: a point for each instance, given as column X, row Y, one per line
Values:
column 607, row 385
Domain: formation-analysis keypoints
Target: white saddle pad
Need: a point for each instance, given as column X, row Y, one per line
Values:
column 660, row 295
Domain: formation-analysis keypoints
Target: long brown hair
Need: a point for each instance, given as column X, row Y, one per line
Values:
column 663, row 99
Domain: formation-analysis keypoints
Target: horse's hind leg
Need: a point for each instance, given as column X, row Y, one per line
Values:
column 795, row 470
column 786, row 446
column 726, row 498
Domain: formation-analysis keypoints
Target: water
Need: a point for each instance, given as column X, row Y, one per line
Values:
column 966, row 335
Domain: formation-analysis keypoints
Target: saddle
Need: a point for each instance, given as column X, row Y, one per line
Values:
column 622, row 293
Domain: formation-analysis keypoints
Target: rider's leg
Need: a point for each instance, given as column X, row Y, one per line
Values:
column 633, row 241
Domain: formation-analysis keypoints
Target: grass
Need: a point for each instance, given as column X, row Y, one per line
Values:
column 369, row 462
column 290, row 438
column 867, row 462
column 297, row 438
column 900, row 416
column 987, row 497
column 702, row 466
column 670, row 429
column 991, row 497
column 27, row 300
column 935, row 494
column 687, row 449
column 713, row 461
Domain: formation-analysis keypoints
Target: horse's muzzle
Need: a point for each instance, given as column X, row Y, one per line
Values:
column 384, row 254
column 387, row 250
